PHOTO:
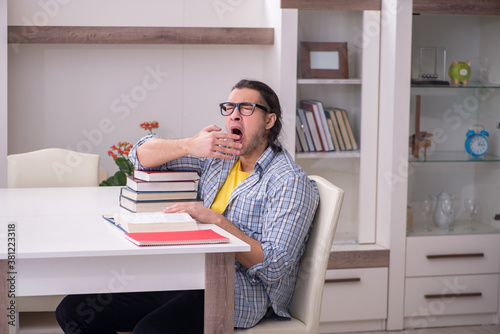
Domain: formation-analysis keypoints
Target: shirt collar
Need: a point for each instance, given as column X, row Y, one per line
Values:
column 265, row 160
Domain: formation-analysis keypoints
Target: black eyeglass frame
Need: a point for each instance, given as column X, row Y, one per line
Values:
column 237, row 106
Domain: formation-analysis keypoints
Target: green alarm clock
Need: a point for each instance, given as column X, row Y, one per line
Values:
column 476, row 143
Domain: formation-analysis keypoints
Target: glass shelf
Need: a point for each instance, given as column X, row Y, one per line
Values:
column 459, row 227
column 453, row 156
column 472, row 84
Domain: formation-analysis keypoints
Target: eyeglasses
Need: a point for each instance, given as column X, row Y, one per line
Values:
column 245, row 108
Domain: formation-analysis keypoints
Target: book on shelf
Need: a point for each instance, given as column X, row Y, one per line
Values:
column 314, row 131
column 149, row 206
column 343, row 128
column 198, row 237
column 320, row 112
column 349, row 130
column 332, row 131
column 336, row 129
column 305, row 127
column 300, row 137
column 141, row 185
column 298, row 145
column 157, row 195
column 315, row 124
column 152, row 221
column 152, row 176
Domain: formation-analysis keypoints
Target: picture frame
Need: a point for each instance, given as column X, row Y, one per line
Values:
column 324, row 60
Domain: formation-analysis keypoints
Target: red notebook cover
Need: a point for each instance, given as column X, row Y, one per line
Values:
column 195, row 237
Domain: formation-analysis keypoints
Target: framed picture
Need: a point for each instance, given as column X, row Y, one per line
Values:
column 323, row 60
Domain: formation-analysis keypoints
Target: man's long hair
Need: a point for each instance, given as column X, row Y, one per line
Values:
column 272, row 100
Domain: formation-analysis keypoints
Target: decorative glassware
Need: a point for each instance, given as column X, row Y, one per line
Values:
column 427, row 206
column 471, row 208
column 449, row 213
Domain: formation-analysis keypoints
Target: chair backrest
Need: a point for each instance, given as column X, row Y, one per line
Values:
column 308, row 294
column 52, row 167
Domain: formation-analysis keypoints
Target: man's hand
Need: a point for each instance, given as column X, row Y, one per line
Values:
column 209, row 216
column 196, row 211
column 212, row 143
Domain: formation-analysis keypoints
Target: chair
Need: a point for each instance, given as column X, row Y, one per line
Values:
column 306, row 301
column 52, row 167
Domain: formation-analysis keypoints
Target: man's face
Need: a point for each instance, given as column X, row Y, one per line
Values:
column 253, row 129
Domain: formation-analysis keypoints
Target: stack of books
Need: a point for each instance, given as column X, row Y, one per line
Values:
column 151, row 191
column 323, row 129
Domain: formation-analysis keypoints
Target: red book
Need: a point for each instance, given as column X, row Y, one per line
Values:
column 195, row 237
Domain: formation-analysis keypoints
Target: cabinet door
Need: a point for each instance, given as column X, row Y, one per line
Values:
column 354, row 294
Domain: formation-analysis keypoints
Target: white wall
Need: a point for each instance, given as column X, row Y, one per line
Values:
column 3, row 92
column 89, row 97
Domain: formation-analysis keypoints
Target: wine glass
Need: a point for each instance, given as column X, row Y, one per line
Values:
column 426, row 206
column 471, row 208
column 449, row 212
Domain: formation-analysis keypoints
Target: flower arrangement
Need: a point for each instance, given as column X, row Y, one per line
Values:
column 150, row 126
column 119, row 153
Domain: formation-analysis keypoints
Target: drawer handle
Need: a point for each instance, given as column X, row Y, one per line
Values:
column 343, row 280
column 454, row 256
column 454, row 295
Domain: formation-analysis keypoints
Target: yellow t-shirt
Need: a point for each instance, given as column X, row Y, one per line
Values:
column 235, row 177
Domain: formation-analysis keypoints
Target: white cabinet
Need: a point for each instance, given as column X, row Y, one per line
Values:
column 354, row 300
column 451, row 280
column 452, row 276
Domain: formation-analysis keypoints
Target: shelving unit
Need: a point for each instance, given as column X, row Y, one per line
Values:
column 139, row 35
column 469, row 258
column 351, row 170
column 358, row 265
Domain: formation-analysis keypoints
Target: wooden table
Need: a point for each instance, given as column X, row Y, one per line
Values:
column 59, row 244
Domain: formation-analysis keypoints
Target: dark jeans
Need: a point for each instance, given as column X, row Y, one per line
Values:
column 141, row 312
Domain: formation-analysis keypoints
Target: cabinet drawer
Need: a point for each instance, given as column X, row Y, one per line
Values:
column 452, row 255
column 354, row 294
column 451, row 295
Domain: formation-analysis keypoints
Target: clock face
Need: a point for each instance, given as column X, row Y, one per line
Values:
column 478, row 145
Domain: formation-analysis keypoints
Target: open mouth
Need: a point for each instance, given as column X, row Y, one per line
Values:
column 237, row 131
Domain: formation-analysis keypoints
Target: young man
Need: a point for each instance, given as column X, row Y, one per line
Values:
column 250, row 187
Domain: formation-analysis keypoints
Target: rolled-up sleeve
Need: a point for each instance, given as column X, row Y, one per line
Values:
column 132, row 156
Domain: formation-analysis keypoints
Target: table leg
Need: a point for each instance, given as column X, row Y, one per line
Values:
column 219, row 293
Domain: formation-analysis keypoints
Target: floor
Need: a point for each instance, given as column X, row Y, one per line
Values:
column 446, row 330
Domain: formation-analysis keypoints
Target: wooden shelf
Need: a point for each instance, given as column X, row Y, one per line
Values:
column 359, row 259
column 139, row 35
column 332, row 4
column 444, row 7
column 457, row 7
